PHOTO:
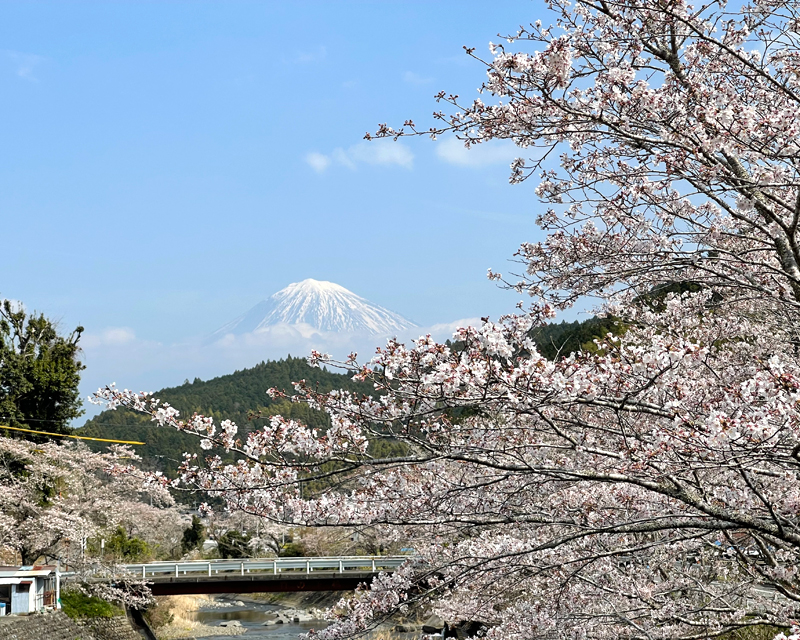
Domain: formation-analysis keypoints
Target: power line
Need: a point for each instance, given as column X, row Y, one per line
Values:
column 66, row 435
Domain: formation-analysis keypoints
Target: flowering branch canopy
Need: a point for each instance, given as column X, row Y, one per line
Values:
column 647, row 488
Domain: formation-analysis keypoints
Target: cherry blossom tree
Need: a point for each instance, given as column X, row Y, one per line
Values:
column 158, row 523
column 57, row 499
column 650, row 488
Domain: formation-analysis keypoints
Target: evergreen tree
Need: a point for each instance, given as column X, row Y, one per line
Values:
column 194, row 536
column 39, row 372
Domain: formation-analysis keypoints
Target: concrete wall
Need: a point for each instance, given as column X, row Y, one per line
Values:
column 43, row 626
column 56, row 625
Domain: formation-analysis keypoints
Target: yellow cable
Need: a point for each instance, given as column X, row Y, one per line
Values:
column 65, row 435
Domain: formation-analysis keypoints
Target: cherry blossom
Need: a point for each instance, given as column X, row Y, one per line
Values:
column 59, row 498
column 644, row 488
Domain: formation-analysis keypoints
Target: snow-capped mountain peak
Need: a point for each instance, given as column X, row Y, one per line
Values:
column 325, row 306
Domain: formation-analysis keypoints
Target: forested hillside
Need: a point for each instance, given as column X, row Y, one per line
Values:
column 566, row 337
column 234, row 397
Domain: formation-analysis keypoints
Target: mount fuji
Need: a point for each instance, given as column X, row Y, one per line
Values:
column 325, row 306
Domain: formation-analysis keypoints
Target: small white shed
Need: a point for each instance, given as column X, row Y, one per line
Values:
column 24, row 590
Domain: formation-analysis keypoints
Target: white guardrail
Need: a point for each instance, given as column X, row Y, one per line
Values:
column 275, row 566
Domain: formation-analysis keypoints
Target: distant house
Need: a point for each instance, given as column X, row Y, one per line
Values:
column 24, row 590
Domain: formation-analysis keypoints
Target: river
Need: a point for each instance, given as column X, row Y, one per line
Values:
column 252, row 616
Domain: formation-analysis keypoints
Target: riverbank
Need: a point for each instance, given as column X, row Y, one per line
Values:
column 308, row 601
column 185, row 624
column 266, row 616
column 273, row 616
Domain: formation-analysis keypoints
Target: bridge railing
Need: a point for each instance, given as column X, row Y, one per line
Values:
column 210, row 568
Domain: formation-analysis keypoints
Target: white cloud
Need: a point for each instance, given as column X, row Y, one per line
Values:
column 117, row 355
column 111, row 337
column 340, row 156
column 453, row 151
column 375, row 152
column 299, row 339
column 383, row 152
column 318, row 161
column 443, row 330
column 414, row 78
column 24, row 64
column 307, row 57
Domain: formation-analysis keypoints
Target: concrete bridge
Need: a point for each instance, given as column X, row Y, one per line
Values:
column 258, row 575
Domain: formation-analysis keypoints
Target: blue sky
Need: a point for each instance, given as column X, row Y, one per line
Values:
column 165, row 166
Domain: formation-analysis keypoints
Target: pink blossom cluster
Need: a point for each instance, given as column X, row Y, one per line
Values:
column 59, row 498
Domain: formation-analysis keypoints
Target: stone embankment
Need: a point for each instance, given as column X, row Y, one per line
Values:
column 38, row 626
column 116, row 628
column 57, row 626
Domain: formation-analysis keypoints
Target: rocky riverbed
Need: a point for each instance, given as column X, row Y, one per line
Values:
column 265, row 617
column 205, row 617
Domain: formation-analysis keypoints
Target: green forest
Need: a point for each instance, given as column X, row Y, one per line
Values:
column 236, row 397
column 564, row 338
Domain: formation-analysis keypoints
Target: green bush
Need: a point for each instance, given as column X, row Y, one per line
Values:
column 77, row 604
column 292, row 550
column 129, row 549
